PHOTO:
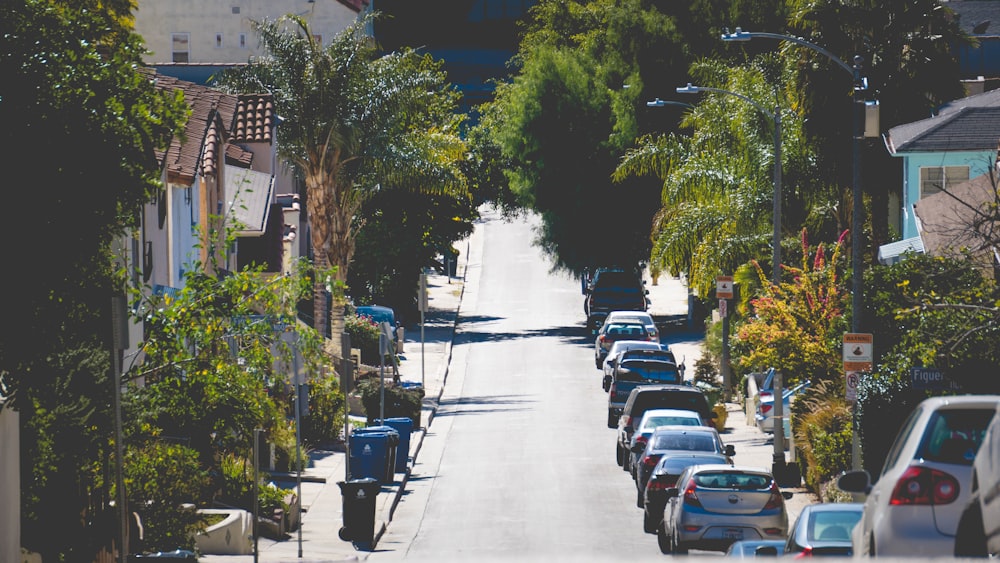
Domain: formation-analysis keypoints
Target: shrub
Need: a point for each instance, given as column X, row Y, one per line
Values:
column 237, row 473
column 325, row 421
column 823, row 434
column 159, row 478
column 399, row 401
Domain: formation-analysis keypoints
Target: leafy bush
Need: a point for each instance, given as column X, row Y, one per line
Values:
column 823, row 434
column 885, row 399
column 325, row 421
column 159, row 478
column 237, row 473
column 399, row 401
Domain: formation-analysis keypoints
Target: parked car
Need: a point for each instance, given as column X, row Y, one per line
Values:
column 382, row 314
column 646, row 397
column 636, row 372
column 614, row 290
column 664, row 476
column 621, row 348
column 824, row 529
column 914, row 507
column 756, row 548
column 641, row 316
column 620, row 330
column 713, row 506
column 653, row 418
column 670, row 441
column 978, row 533
column 765, row 408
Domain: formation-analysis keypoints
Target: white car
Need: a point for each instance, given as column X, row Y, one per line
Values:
column 979, row 527
column 640, row 316
column 914, row 507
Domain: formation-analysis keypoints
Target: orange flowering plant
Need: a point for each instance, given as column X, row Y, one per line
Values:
column 797, row 325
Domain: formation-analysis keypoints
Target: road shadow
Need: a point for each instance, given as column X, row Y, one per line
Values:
column 575, row 335
column 482, row 404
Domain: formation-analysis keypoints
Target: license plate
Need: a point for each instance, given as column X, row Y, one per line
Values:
column 732, row 534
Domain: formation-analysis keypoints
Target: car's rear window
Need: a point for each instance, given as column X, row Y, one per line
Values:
column 692, row 442
column 670, row 420
column 616, row 279
column 732, row 480
column 832, row 525
column 673, row 399
column 661, row 372
column 954, row 435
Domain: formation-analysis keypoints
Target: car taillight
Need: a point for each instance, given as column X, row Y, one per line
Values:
column 807, row 551
column 775, row 500
column 661, row 482
column 765, row 408
column 690, row 495
column 628, row 419
column 642, row 440
column 924, row 486
column 649, row 461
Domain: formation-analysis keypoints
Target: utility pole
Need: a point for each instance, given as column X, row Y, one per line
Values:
column 119, row 342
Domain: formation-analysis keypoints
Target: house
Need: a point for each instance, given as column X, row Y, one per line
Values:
column 218, row 176
column 979, row 63
column 962, row 219
column 940, row 153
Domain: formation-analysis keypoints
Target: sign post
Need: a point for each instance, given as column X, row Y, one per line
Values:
column 858, row 358
column 724, row 291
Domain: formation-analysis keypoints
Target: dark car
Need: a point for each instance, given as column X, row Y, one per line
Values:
column 664, row 476
column 614, row 290
column 632, row 373
column 667, row 441
column 645, row 397
column 824, row 529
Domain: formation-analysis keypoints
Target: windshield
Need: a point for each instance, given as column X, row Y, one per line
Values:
column 700, row 442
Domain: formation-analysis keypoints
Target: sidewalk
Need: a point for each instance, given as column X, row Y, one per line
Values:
column 426, row 361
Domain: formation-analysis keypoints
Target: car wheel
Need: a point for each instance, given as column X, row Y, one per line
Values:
column 676, row 545
column 663, row 540
column 648, row 524
column 619, row 454
column 612, row 421
column 970, row 539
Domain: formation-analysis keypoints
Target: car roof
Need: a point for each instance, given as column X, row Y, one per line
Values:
column 667, row 428
column 636, row 314
column 833, row 507
column 629, row 345
column 670, row 412
column 985, row 401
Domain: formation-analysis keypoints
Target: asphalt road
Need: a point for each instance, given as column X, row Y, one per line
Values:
column 519, row 462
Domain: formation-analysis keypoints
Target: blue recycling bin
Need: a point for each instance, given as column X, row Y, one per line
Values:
column 369, row 452
column 388, row 474
column 404, row 426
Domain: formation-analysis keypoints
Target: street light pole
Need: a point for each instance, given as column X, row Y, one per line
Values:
column 857, row 213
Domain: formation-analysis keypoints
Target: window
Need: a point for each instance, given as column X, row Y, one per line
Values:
column 934, row 179
column 243, row 41
column 218, row 40
column 180, row 47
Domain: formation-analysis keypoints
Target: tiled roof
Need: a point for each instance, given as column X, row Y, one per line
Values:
column 254, row 119
column 238, row 156
column 217, row 119
column 959, row 129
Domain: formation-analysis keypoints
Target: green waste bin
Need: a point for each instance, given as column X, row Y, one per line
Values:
column 359, row 510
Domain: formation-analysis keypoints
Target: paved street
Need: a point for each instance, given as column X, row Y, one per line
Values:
column 400, row 512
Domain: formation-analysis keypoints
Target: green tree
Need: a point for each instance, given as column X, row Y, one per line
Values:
column 355, row 122
column 81, row 126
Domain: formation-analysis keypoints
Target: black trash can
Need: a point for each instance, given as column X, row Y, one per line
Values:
column 369, row 455
column 359, row 510
column 404, row 426
column 392, row 444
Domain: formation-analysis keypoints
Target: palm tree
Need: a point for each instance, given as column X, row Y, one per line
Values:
column 354, row 121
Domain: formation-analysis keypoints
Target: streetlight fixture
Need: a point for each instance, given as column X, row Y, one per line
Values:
column 778, row 469
column 857, row 214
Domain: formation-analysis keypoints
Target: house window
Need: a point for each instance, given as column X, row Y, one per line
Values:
column 218, row 40
column 243, row 41
column 236, row 10
column 180, row 47
column 934, row 179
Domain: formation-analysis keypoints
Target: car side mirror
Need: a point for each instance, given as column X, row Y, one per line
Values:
column 766, row 550
column 637, row 448
column 730, row 450
column 855, row 482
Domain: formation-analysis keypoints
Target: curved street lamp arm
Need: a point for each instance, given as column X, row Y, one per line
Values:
column 740, row 35
column 689, row 89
